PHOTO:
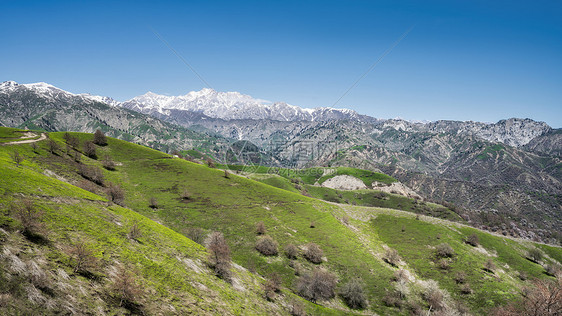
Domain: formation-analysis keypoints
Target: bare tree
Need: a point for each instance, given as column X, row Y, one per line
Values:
column 219, row 255
column 99, row 138
column 29, row 216
column 84, row 259
column 543, row 299
column 473, row 240
column 116, row 194
column 535, row 255
column 391, row 257
column 52, row 146
column 272, row 286
column 108, row 163
column 490, row 266
column 17, row 157
column 90, row 149
column 153, row 203
column 134, row 232
column 91, row 173
column 444, row 251
column 126, row 287
column 34, row 147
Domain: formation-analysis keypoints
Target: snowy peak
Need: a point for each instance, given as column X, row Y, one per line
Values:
column 231, row 105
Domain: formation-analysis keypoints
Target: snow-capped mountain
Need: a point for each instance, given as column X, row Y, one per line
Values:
column 232, row 105
column 52, row 92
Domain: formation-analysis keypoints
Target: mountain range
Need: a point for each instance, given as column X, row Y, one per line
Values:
column 504, row 176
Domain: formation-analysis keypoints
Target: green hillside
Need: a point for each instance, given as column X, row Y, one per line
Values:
column 170, row 199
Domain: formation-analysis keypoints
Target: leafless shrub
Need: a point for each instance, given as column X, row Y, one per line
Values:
column 291, row 251
column 196, row 234
column 312, row 224
column 400, row 275
column 226, row 174
column 134, row 232
column 345, row 219
column 153, row 203
column 315, row 285
column 77, row 156
column 353, row 295
column 126, row 288
column 272, row 286
column 465, row 289
column 84, row 259
column 297, row 309
column 490, row 266
column 535, row 255
column 460, row 277
column 73, row 141
column 210, row 163
column 473, row 240
column 267, row 246
column 99, row 138
column 87, row 185
column 313, row 253
column 443, row 264
column 90, row 149
column 52, row 146
column 392, row 299
column 185, row 195
column 523, row 275
column 108, row 163
column 30, row 217
column 16, row 157
column 116, row 194
column 91, row 173
column 391, row 257
column 260, row 228
column 553, row 269
column 544, row 298
column 33, row 147
column 433, row 296
column 444, row 251
column 219, row 255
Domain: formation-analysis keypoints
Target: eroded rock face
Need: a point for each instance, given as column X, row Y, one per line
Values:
column 344, row 182
column 396, row 188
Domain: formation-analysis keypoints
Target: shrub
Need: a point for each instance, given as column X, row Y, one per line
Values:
column 460, row 277
column 52, row 146
column 126, row 288
column 352, row 294
column 489, row 266
column 313, row 253
column 297, row 309
column 392, row 299
column 465, row 289
column 291, row 251
column 90, row 149
column 401, row 275
column 116, row 194
column 345, row 219
column 535, row 255
column 16, row 157
column 391, row 257
column 267, row 246
column 91, row 173
column 33, row 147
column 153, row 203
column 226, row 174
column 473, row 240
column 260, row 228
column 134, row 232
column 99, row 138
column 108, row 163
column 312, row 224
column 84, row 259
column 196, row 234
column 444, row 251
column 523, row 275
column 77, row 156
column 210, row 163
column 553, row 269
column 30, row 217
column 73, row 141
column 433, row 296
column 315, row 285
column 185, row 195
column 272, row 286
column 219, row 255
column 544, row 298
column 443, row 264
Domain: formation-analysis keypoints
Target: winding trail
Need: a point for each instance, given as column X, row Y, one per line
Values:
column 27, row 141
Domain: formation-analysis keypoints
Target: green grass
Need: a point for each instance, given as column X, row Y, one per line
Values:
column 233, row 206
column 368, row 177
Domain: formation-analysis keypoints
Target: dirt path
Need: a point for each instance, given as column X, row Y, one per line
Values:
column 27, row 141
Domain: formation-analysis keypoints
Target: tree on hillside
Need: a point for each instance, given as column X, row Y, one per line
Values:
column 16, row 157
column 52, row 146
column 544, row 299
column 313, row 253
column 116, row 194
column 90, row 149
column 84, row 259
column 30, row 217
column 219, row 255
column 99, row 138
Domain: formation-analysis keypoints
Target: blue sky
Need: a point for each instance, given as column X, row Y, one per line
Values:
column 463, row 60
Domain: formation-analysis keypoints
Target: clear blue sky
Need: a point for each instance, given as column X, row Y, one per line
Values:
column 470, row 60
